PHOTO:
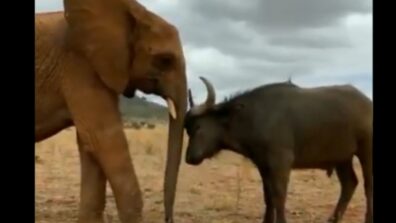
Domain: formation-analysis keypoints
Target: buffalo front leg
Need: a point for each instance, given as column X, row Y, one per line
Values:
column 269, row 215
column 269, row 210
column 368, row 189
column 348, row 181
column 365, row 156
column 279, row 179
column 279, row 163
column 93, row 187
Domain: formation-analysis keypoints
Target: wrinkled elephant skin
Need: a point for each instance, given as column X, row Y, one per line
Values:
column 85, row 58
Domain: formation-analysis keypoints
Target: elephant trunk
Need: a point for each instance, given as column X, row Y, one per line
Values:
column 175, row 143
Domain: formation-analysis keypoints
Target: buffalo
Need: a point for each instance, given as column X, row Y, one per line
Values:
column 281, row 127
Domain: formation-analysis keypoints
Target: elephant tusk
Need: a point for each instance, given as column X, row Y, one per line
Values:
column 171, row 108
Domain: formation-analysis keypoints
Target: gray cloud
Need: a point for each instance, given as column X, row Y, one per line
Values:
column 302, row 40
column 241, row 44
column 48, row 5
column 280, row 14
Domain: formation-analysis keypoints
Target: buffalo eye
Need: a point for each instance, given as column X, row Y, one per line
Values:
column 164, row 61
column 196, row 128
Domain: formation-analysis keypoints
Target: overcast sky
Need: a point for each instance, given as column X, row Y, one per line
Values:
column 239, row 45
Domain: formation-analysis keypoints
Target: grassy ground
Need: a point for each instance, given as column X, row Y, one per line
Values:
column 226, row 189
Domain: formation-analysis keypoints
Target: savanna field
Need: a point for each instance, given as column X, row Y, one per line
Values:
column 225, row 189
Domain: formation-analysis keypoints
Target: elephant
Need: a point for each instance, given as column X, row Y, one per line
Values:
column 85, row 58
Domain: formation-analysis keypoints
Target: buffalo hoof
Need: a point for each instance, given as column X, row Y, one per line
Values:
column 333, row 220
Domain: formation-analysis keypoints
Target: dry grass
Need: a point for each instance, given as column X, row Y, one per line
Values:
column 226, row 189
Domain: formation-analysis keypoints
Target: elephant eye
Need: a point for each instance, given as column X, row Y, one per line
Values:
column 164, row 61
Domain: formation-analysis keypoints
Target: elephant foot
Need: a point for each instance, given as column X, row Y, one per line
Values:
column 132, row 216
column 93, row 218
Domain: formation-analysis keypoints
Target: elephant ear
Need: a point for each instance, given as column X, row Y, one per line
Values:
column 102, row 32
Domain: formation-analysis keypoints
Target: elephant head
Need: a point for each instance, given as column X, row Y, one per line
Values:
column 131, row 48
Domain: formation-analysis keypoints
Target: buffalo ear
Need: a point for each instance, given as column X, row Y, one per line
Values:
column 190, row 99
column 101, row 32
column 229, row 109
column 228, row 113
column 238, row 107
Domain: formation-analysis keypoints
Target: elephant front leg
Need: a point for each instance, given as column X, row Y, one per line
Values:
column 113, row 155
column 95, row 112
column 93, row 187
column 109, row 149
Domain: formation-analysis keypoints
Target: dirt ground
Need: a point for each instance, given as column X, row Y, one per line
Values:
column 225, row 189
